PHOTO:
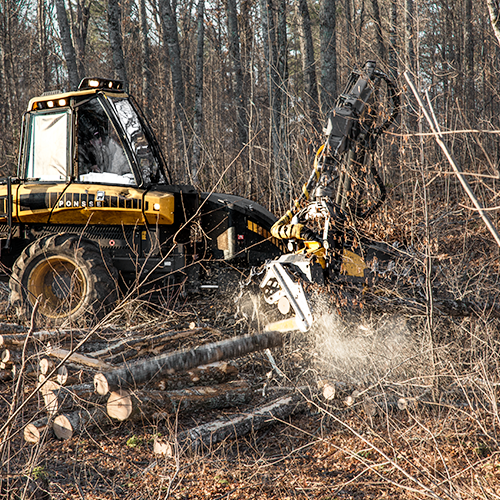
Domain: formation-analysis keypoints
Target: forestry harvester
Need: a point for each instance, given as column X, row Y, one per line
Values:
column 93, row 210
column 325, row 251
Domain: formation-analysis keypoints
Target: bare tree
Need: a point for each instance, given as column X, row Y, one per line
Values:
column 171, row 40
column 115, row 40
column 67, row 44
column 328, row 41
column 198, row 93
column 378, row 30
column 308, row 63
column 146, row 55
column 234, row 52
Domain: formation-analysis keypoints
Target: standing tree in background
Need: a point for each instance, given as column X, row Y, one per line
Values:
column 171, row 40
column 328, row 46
column 308, row 64
column 234, row 54
column 115, row 40
column 146, row 56
column 67, row 45
column 198, row 93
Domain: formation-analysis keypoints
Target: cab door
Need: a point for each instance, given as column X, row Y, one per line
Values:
column 44, row 168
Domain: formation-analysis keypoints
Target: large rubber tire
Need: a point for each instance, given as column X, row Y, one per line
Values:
column 74, row 277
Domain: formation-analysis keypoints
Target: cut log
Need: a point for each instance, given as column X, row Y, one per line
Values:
column 79, row 359
column 123, row 405
column 162, row 447
column 17, row 337
column 239, row 425
column 58, row 399
column 65, row 426
column 136, row 343
column 12, row 328
column 215, row 373
column 45, row 366
column 146, row 370
column 33, row 431
column 63, row 377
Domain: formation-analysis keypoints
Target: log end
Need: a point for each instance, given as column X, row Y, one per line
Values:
column 62, row 375
column 101, row 385
column 62, row 427
column 119, row 405
column 161, row 447
column 46, row 365
column 32, row 434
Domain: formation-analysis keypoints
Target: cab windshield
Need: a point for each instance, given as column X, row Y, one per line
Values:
column 141, row 147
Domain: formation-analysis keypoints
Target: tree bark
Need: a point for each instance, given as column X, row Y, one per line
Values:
column 214, row 373
column 234, row 53
column 116, row 41
column 378, row 30
column 59, row 398
column 171, row 40
column 328, row 57
column 145, row 370
column 393, row 60
column 206, row 435
column 79, row 359
column 308, row 64
column 198, row 93
column 67, row 44
column 469, row 57
column 146, row 56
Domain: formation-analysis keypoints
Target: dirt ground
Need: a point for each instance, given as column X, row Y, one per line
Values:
column 443, row 445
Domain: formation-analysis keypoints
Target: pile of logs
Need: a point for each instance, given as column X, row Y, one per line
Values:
column 136, row 378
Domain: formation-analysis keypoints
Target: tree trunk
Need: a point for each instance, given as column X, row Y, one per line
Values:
column 378, row 31
column 116, row 40
column 238, row 425
column 410, row 37
column 79, row 359
column 214, row 373
column 59, row 398
column 328, row 46
column 123, row 405
column 67, row 45
column 393, row 60
column 234, row 53
column 145, row 370
column 308, row 64
column 79, row 31
column 469, row 57
column 146, row 56
column 171, row 40
column 198, row 93
column 42, row 45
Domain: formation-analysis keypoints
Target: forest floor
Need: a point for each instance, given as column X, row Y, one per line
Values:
column 445, row 444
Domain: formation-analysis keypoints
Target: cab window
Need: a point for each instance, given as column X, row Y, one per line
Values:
column 102, row 157
column 48, row 146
